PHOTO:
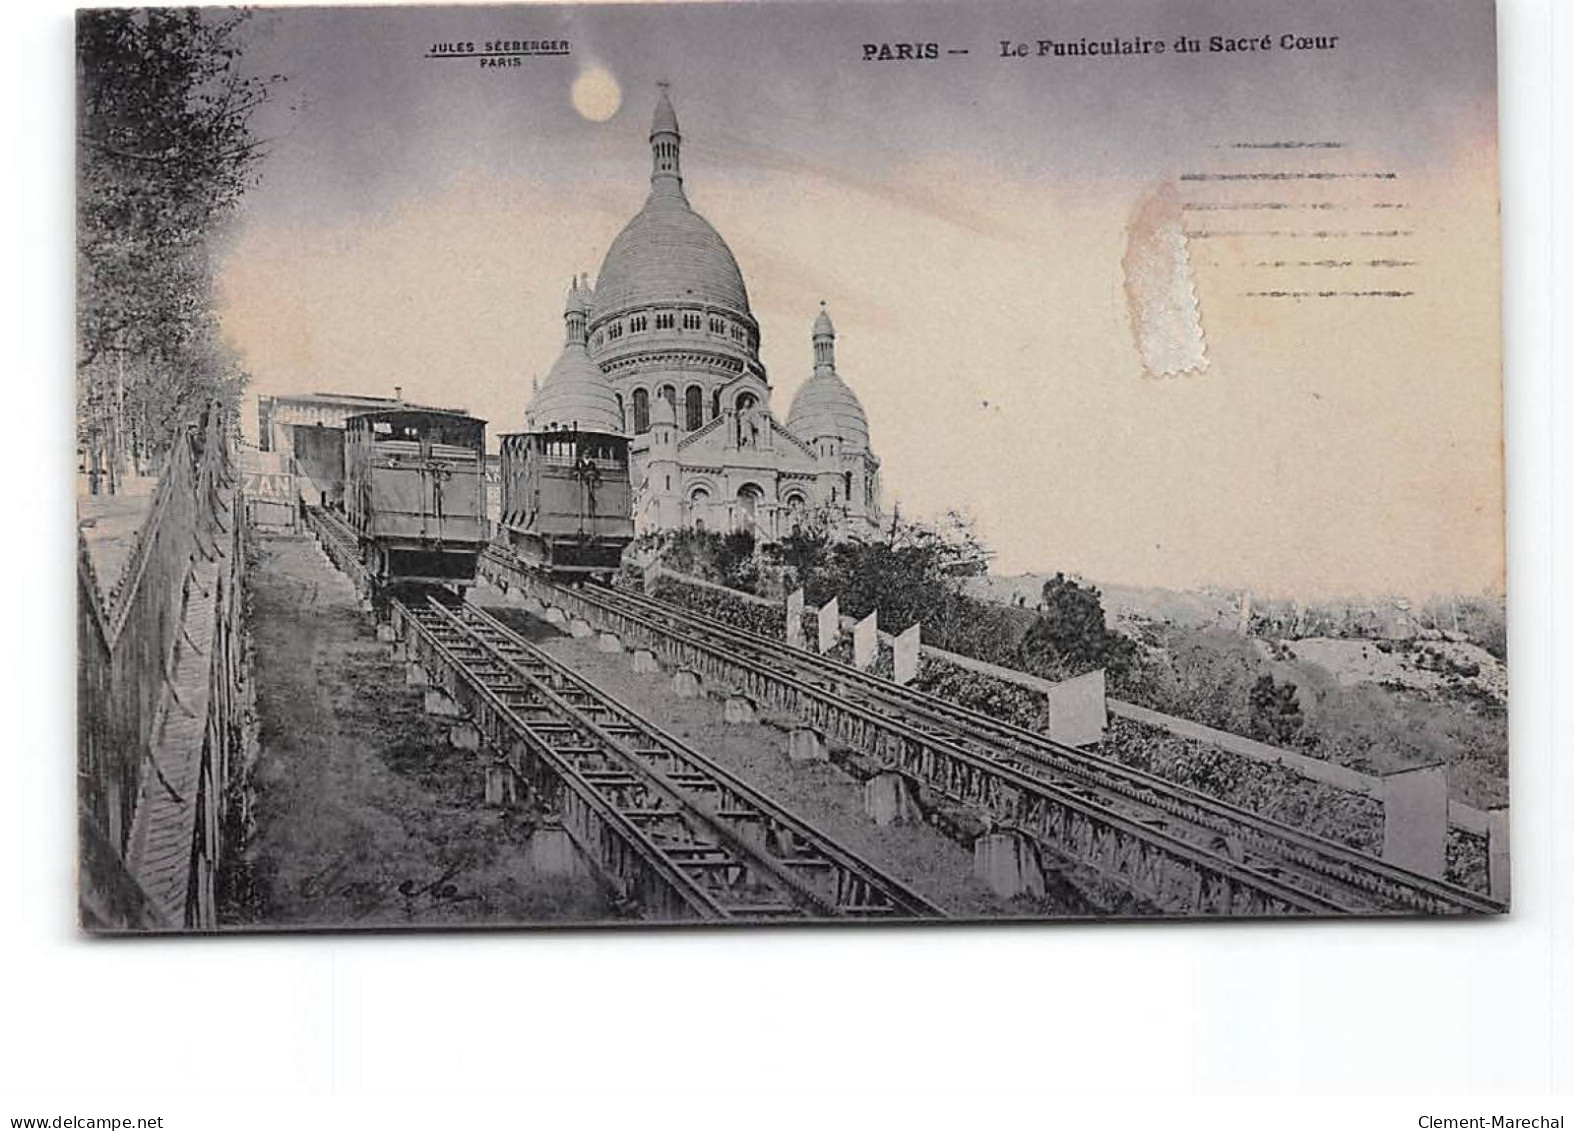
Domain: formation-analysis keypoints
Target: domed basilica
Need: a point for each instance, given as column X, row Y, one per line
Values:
column 664, row 349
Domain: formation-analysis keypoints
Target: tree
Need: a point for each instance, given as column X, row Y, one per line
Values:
column 165, row 152
column 915, row 574
column 1275, row 710
column 1069, row 634
column 804, row 551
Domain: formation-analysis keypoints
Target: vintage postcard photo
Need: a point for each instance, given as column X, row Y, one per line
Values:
column 617, row 465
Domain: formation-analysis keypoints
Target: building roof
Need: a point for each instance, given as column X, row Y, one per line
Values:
column 665, row 119
column 826, row 406
column 668, row 253
column 576, row 393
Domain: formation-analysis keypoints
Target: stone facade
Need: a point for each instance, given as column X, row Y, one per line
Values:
column 669, row 325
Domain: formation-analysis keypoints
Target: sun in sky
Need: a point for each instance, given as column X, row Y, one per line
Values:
column 596, row 93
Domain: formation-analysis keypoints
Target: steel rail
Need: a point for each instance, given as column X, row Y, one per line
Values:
column 1068, row 818
column 652, row 833
column 623, row 853
column 1277, row 844
column 789, row 846
column 340, row 544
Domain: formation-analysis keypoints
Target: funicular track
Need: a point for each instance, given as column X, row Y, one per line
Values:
column 674, row 833
column 677, row 836
column 925, row 736
column 1162, row 869
column 339, row 543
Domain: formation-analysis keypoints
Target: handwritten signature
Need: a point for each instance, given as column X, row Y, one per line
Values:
column 370, row 895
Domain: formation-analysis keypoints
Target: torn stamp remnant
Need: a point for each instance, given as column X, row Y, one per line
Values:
column 1161, row 295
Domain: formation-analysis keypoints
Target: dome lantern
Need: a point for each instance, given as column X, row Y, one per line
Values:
column 666, row 174
column 574, row 310
column 824, row 341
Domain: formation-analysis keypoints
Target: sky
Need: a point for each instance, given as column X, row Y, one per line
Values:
column 966, row 218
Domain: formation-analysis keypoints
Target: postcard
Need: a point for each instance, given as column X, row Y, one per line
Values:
column 628, row 465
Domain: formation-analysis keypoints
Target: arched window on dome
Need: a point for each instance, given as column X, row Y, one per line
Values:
column 670, row 395
column 715, row 404
column 746, row 401
column 623, row 421
column 717, row 326
column 691, row 321
column 847, row 480
column 641, row 412
column 664, row 321
column 637, row 324
column 693, row 407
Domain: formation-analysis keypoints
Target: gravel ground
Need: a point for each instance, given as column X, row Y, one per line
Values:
column 823, row 794
column 363, row 814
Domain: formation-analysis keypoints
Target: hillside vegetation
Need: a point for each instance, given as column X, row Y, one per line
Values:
column 1342, row 690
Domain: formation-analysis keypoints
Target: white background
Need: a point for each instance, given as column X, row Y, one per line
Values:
column 1209, row 1025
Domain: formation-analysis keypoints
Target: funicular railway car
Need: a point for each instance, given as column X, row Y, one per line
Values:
column 566, row 506
column 415, row 494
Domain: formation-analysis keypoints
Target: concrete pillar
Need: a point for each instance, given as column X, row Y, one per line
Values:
column 500, row 784
column 1008, row 862
column 415, row 675
column 1497, row 854
column 904, row 655
column 1415, row 820
column 738, row 709
column 805, row 744
column 645, row 661
column 464, row 735
column 441, row 704
column 552, row 852
column 686, row 684
column 608, row 642
column 580, row 629
column 866, row 641
column 385, row 633
column 888, row 800
column 829, row 624
column 1076, row 709
column 795, row 618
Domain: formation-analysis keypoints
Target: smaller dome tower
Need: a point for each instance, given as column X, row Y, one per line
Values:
column 824, row 407
column 576, row 393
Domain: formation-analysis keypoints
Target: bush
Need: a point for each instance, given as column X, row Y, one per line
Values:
column 1275, row 792
column 759, row 619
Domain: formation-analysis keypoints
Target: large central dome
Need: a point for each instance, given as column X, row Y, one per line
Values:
column 667, row 255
